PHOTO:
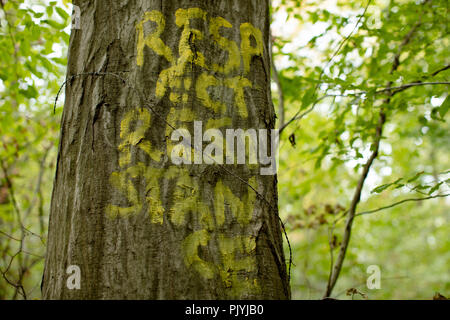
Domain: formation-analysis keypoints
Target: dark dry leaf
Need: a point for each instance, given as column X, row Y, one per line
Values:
column 438, row 296
column 292, row 139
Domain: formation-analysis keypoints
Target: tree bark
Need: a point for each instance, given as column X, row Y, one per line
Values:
column 138, row 226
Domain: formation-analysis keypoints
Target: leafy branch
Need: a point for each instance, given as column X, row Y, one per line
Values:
column 401, row 202
column 390, row 90
column 312, row 95
column 336, row 269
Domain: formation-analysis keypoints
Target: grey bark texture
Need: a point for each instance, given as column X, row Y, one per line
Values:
column 111, row 179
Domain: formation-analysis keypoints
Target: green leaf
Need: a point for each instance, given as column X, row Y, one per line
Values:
column 443, row 109
column 435, row 188
column 30, row 92
column 63, row 14
column 308, row 97
column 421, row 187
column 417, row 176
column 54, row 24
column 383, row 187
column 49, row 10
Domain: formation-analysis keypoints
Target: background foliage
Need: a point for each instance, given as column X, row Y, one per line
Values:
column 354, row 82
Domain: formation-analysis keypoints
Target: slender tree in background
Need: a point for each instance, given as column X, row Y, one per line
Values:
column 135, row 224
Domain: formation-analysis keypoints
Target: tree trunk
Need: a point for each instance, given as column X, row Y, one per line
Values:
column 137, row 225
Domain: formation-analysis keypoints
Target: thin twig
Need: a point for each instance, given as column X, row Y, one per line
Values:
column 401, row 202
column 9, row 236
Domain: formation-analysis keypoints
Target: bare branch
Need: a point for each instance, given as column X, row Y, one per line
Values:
column 415, row 84
column 9, row 236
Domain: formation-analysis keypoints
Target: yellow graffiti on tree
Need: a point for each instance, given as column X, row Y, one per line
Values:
column 171, row 79
column 123, row 181
column 248, row 51
column 139, row 183
column 187, row 199
column 230, row 267
column 153, row 40
column 241, row 210
column 140, row 120
column 231, row 47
